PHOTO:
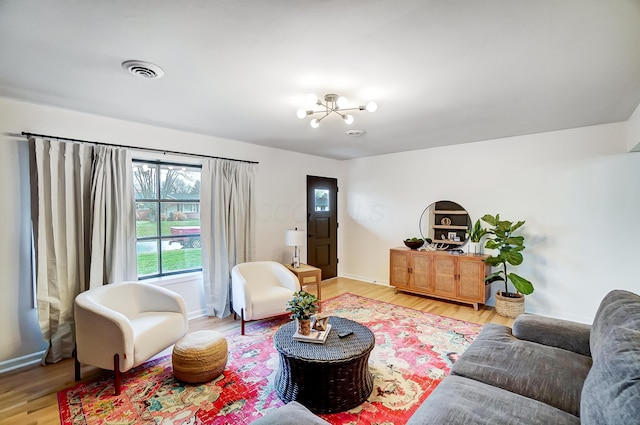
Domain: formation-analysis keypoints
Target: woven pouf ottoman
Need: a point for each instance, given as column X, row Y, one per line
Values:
column 199, row 356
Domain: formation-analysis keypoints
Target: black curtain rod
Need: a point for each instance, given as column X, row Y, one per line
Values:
column 46, row 136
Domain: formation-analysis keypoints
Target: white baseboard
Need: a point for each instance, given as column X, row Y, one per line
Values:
column 364, row 279
column 196, row 313
column 18, row 362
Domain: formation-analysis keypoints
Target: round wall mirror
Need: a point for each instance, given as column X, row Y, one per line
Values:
column 446, row 223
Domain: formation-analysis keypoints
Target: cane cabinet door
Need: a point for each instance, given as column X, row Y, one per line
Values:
column 471, row 279
column 444, row 267
column 421, row 271
column 400, row 266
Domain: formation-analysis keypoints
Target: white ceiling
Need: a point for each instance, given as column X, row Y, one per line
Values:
column 442, row 71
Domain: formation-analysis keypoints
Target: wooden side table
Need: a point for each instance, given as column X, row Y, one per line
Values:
column 308, row 275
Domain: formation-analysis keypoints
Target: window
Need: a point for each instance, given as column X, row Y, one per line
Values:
column 321, row 199
column 167, row 218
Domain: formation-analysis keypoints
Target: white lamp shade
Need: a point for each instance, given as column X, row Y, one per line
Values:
column 295, row 237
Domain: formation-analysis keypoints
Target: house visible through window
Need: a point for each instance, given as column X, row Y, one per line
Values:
column 167, row 218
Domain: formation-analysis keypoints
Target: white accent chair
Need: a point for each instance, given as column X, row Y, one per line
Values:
column 261, row 289
column 121, row 325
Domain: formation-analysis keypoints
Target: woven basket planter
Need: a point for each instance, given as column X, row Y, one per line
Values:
column 509, row 307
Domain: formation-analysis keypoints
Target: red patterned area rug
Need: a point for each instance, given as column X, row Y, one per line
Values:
column 413, row 352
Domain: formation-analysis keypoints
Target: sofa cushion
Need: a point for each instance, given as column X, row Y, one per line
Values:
column 563, row 334
column 618, row 308
column 458, row 400
column 293, row 413
column 611, row 393
column 551, row 375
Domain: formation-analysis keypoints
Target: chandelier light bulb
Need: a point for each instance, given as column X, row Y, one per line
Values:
column 301, row 113
column 342, row 102
column 348, row 119
column 315, row 123
column 312, row 99
column 372, row 106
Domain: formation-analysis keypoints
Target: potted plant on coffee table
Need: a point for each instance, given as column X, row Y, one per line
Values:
column 302, row 306
column 510, row 247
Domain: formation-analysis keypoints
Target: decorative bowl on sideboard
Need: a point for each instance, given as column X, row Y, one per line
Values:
column 413, row 244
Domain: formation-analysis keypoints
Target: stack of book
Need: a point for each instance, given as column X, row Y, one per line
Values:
column 317, row 337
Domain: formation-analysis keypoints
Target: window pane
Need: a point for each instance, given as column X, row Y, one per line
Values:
column 180, row 218
column 179, row 182
column 322, row 199
column 177, row 257
column 144, row 181
column 146, row 216
column 147, row 258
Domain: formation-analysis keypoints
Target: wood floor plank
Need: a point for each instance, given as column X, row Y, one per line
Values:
column 29, row 395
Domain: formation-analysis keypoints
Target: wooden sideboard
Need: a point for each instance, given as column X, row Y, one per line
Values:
column 455, row 277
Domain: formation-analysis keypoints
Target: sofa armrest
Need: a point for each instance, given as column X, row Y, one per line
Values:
column 571, row 336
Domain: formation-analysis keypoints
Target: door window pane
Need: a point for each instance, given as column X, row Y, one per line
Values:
column 321, row 199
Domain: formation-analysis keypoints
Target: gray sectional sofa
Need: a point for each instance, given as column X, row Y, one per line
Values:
column 543, row 371
column 546, row 371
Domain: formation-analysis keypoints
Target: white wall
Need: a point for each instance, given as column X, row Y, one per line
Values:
column 280, row 199
column 578, row 191
column 633, row 131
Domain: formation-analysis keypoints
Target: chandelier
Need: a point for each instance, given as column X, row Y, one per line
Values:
column 335, row 104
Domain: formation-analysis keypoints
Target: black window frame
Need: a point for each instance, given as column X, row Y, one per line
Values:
column 157, row 164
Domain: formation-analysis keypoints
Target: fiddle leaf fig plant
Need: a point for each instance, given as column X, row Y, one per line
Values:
column 510, row 249
column 303, row 305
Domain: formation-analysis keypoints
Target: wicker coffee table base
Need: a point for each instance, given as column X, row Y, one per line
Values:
column 325, row 388
column 327, row 385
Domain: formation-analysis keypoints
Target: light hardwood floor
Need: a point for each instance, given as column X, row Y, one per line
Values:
column 29, row 395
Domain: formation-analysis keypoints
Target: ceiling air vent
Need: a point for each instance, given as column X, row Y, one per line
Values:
column 143, row 69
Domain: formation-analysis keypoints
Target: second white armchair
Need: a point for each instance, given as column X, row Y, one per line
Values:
column 261, row 289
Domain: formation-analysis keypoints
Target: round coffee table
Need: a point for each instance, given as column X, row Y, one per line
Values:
column 326, row 378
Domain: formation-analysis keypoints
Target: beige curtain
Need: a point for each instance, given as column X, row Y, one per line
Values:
column 227, row 222
column 113, row 226
column 81, row 214
column 61, row 183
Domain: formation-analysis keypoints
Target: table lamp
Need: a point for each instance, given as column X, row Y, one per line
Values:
column 295, row 238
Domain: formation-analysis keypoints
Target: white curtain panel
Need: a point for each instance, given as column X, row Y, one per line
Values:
column 61, row 183
column 113, row 226
column 227, row 223
column 84, row 225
